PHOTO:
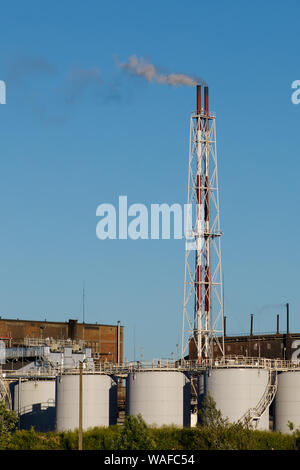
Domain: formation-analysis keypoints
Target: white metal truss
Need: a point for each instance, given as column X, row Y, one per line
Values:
column 202, row 319
column 5, row 393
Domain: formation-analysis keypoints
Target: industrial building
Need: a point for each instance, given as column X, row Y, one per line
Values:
column 277, row 345
column 272, row 346
column 104, row 341
column 69, row 375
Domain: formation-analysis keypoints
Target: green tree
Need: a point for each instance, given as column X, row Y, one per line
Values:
column 8, row 422
column 134, row 435
column 209, row 415
column 221, row 434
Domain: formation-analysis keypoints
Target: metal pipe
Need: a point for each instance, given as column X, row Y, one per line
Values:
column 198, row 286
column 224, row 326
column 198, row 99
column 251, row 325
column 19, row 401
column 119, row 342
column 277, row 325
column 206, row 100
column 206, row 216
column 287, row 319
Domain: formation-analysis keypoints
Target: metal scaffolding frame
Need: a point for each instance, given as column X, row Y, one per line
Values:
column 203, row 317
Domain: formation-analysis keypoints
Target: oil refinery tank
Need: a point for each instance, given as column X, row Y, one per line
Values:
column 161, row 397
column 34, row 402
column 99, row 401
column 287, row 401
column 235, row 391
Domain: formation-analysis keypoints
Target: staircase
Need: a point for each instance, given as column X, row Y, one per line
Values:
column 254, row 414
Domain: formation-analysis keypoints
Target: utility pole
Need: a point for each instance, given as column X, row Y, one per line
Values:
column 80, row 408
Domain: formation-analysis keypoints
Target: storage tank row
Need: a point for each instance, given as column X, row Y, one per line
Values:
column 235, row 391
column 54, row 404
column 161, row 397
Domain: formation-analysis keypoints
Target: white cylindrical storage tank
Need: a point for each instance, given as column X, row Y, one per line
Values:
column 34, row 401
column 287, row 401
column 235, row 391
column 161, row 397
column 99, row 401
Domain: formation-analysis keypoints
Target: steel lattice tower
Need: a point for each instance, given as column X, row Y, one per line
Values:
column 202, row 320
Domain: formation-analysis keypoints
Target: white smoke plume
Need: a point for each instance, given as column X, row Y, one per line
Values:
column 142, row 68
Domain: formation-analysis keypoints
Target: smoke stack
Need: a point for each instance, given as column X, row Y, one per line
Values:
column 198, row 99
column 251, row 325
column 277, row 325
column 119, row 342
column 287, row 319
column 206, row 100
column 224, row 326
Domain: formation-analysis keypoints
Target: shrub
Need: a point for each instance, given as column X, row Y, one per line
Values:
column 100, row 438
column 134, row 435
column 8, row 422
column 32, row 440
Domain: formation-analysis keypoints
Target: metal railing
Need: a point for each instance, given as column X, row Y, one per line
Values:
column 204, row 113
column 37, row 407
column 253, row 414
column 52, row 342
column 192, row 367
column 189, row 366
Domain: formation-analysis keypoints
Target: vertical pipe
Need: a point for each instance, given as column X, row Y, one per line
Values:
column 224, row 317
column 287, row 319
column 251, row 325
column 19, row 401
column 119, row 342
column 134, row 343
column 277, row 332
column 80, row 408
column 199, row 201
column 206, row 218
column 198, row 99
column 206, row 100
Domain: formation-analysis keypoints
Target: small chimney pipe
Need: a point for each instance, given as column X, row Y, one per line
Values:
column 198, row 99
column 119, row 342
column 287, row 319
column 251, row 325
column 224, row 326
column 206, row 99
column 277, row 325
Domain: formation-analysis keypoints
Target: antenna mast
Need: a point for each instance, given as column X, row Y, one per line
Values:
column 83, row 302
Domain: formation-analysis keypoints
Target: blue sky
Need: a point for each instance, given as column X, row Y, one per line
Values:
column 77, row 131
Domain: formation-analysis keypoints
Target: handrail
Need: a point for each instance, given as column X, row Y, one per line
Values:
column 265, row 401
column 193, row 367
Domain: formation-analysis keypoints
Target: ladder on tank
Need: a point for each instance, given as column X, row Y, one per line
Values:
column 254, row 414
